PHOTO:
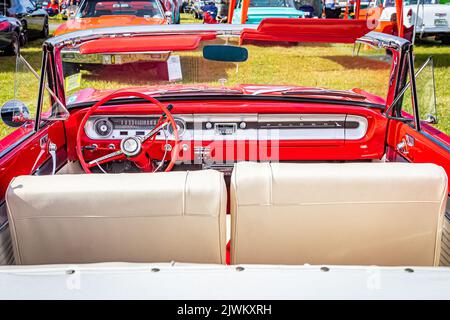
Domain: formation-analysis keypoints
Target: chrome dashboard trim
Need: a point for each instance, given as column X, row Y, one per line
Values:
column 360, row 131
column 203, row 127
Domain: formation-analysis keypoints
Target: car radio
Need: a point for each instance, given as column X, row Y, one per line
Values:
column 225, row 128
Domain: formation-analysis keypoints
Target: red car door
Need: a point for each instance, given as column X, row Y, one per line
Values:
column 26, row 150
column 413, row 136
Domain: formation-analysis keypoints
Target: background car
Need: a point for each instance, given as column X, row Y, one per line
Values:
column 260, row 9
column 11, row 35
column 34, row 19
column 430, row 18
column 110, row 13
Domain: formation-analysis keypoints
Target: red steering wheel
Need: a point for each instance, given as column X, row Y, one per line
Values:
column 131, row 148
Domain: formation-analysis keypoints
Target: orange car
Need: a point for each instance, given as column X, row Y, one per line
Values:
column 110, row 13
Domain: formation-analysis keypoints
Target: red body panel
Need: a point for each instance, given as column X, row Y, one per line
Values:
column 424, row 149
column 21, row 159
column 142, row 44
column 307, row 30
column 16, row 135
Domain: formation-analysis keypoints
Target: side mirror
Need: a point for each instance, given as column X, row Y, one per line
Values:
column 14, row 113
column 431, row 119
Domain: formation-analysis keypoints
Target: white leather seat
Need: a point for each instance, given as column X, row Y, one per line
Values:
column 162, row 217
column 352, row 213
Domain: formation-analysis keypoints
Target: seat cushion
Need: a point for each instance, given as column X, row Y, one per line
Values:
column 346, row 213
column 159, row 217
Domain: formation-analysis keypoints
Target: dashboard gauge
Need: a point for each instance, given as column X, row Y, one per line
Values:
column 103, row 127
column 181, row 126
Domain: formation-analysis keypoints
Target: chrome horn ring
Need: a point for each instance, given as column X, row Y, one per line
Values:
column 131, row 146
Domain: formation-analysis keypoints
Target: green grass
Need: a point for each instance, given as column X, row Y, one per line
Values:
column 309, row 65
column 441, row 58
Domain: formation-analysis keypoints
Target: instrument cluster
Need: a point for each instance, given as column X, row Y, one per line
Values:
column 119, row 127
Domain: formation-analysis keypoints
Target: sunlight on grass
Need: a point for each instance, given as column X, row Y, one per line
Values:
column 441, row 57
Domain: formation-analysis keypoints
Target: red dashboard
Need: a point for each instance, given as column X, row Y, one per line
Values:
column 217, row 132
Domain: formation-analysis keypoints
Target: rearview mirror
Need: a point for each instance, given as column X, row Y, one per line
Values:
column 14, row 113
column 226, row 53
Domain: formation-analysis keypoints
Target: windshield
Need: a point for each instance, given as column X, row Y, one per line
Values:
column 272, row 3
column 330, row 66
column 391, row 3
column 140, row 8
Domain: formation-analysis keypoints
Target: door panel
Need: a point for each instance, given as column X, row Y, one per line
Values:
column 20, row 161
column 417, row 147
column 412, row 138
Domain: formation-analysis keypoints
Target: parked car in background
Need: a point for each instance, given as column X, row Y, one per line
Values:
column 33, row 18
column 11, row 35
column 430, row 18
column 261, row 9
column 109, row 13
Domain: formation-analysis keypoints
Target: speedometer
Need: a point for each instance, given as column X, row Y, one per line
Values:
column 181, row 126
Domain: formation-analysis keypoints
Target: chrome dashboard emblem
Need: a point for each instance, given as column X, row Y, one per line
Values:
column 131, row 146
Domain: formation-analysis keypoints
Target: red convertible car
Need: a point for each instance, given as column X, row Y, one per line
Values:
column 201, row 163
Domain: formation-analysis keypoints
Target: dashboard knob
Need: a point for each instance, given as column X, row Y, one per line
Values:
column 208, row 125
column 242, row 125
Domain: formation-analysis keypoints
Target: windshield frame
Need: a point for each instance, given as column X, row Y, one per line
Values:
column 398, row 46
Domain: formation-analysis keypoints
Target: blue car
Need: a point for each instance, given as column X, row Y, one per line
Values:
column 261, row 9
column 11, row 35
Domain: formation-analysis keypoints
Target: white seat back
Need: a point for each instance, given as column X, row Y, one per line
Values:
column 161, row 217
column 350, row 213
